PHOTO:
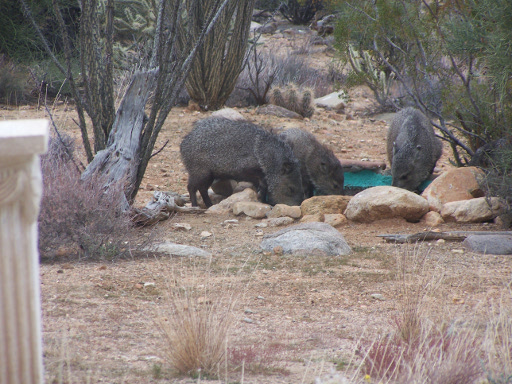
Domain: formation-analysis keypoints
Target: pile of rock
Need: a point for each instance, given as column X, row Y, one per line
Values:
column 455, row 196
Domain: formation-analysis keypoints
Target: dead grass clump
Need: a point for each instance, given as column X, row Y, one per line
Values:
column 78, row 217
column 419, row 349
column 498, row 343
column 297, row 70
column 442, row 355
column 265, row 69
column 257, row 359
column 195, row 328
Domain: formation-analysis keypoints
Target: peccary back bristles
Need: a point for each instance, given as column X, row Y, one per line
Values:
column 219, row 148
column 413, row 149
column 322, row 173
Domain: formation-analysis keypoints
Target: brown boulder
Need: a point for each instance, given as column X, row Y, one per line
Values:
column 325, row 204
column 385, row 202
column 455, row 185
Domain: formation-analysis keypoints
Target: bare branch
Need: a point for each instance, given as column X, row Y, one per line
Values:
column 160, row 150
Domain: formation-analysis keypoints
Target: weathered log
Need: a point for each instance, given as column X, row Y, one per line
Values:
column 358, row 165
column 161, row 207
column 431, row 235
column 120, row 160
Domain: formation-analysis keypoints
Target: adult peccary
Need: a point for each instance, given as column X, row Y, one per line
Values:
column 219, row 148
column 321, row 171
column 413, row 149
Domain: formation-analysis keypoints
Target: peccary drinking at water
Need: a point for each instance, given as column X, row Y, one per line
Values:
column 219, row 148
column 413, row 149
column 321, row 171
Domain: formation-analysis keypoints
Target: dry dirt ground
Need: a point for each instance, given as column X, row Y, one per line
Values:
column 296, row 317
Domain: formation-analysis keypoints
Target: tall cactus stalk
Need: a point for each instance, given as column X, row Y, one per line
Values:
column 220, row 59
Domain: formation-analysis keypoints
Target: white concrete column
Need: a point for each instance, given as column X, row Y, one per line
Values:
column 21, row 142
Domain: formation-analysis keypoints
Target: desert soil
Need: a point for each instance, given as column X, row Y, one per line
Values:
column 296, row 317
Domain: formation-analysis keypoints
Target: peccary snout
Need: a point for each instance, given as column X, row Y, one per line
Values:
column 413, row 149
column 219, row 148
column 321, row 171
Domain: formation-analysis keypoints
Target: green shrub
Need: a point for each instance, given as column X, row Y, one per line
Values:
column 450, row 60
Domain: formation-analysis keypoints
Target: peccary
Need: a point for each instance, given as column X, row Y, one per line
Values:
column 413, row 149
column 219, row 148
column 321, row 171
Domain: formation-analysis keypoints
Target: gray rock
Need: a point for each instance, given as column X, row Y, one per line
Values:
column 307, row 237
column 489, row 244
column 332, row 100
column 174, row 249
column 228, row 113
column 274, row 110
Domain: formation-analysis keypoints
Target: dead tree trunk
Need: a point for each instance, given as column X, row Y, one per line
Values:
column 120, row 160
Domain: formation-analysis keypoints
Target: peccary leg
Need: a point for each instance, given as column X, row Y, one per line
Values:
column 201, row 184
column 204, row 194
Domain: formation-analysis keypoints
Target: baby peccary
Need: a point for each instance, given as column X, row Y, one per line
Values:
column 219, row 148
column 321, row 171
column 413, row 149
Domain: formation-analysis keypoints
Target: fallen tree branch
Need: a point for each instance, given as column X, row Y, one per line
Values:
column 431, row 235
column 161, row 207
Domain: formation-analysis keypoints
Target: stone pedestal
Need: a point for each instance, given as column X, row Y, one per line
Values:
column 21, row 142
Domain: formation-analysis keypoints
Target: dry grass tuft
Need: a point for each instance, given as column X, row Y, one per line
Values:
column 196, row 326
column 257, row 359
column 498, row 342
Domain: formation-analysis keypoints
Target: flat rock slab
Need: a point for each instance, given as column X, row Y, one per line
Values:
column 308, row 237
column 173, row 249
column 489, row 244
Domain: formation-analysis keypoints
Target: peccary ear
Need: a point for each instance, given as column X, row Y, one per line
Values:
column 287, row 168
column 418, row 147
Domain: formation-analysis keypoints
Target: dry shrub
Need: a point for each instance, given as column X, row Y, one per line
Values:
column 257, row 359
column 418, row 350
column 79, row 217
column 195, row 327
column 14, row 87
column 498, row 343
column 265, row 69
column 297, row 70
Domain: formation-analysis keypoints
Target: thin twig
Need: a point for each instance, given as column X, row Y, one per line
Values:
column 62, row 141
column 160, row 150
